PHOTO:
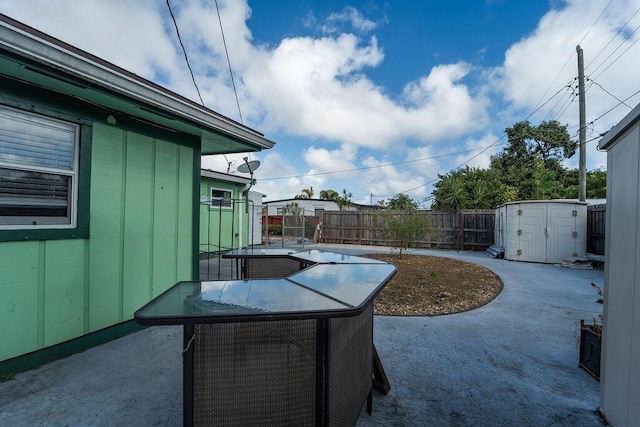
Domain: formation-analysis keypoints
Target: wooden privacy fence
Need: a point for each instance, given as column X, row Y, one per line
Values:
column 596, row 216
column 466, row 230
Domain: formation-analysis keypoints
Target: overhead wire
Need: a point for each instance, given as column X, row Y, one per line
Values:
column 226, row 51
column 609, row 93
column 612, row 39
column 573, row 52
column 184, row 51
column 376, row 166
column 614, row 107
column 619, row 56
column 542, row 97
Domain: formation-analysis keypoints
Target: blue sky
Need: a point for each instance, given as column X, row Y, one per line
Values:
column 376, row 97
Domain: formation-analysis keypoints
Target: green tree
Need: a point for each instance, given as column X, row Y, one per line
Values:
column 307, row 193
column 403, row 227
column 531, row 162
column 292, row 208
column 402, row 201
column 529, row 167
column 596, row 184
column 329, row 195
column 344, row 200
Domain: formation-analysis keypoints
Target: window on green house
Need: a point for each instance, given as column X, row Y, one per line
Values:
column 220, row 198
column 38, row 171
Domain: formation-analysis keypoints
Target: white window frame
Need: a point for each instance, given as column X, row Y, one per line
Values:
column 226, row 203
column 72, row 198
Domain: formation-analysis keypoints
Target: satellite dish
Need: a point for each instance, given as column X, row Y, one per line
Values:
column 249, row 167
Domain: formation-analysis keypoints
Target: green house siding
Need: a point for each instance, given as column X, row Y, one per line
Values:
column 222, row 228
column 141, row 243
column 141, row 222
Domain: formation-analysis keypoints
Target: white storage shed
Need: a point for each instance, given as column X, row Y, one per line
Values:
column 546, row 231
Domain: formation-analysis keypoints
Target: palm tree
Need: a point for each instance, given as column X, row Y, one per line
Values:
column 344, row 200
column 329, row 195
column 453, row 195
column 307, row 192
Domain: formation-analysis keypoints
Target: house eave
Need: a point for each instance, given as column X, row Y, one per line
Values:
column 68, row 60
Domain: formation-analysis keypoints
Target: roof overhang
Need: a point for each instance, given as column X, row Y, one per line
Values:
column 621, row 128
column 29, row 55
column 207, row 173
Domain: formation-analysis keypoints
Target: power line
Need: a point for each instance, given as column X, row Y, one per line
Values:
column 458, row 167
column 175, row 24
column 595, row 22
column 612, row 39
column 609, row 93
column 568, row 99
column 618, row 47
column 614, row 107
column 571, row 55
column 377, row 166
column 619, row 56
column 224, row 41
column 483, row 149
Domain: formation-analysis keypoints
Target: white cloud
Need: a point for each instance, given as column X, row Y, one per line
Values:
column 129, row 34
column 349, row 15
column 325, row 160
column 316, row 89
column 480, row 151
column 532, row 64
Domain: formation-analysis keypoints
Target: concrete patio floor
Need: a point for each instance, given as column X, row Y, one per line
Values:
column 512, row 362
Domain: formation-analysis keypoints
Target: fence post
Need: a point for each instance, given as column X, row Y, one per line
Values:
column 461, row 231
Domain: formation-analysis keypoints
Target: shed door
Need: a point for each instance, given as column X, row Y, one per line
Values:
column 561, row 226
column 546, row 232
column 531, row 231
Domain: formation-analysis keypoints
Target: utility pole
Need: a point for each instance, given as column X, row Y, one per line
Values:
column 582, row 165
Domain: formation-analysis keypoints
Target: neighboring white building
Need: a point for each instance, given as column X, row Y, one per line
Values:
column 620, row 370
column 313, row 207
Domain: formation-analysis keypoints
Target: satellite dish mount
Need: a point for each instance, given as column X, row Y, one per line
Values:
column 249, row 167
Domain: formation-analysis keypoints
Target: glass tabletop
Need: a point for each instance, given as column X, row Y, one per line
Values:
column 257, row 252
column 352, row 284
column 233, row 299
column 321, row 257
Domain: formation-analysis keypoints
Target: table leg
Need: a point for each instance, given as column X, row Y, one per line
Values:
column 380, row 380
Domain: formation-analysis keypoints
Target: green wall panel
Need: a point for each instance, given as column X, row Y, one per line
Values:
column 63, row 290
column 141, row 243
column 19, row 298
column 106, row 219
column 138, row 224
column 165, row 213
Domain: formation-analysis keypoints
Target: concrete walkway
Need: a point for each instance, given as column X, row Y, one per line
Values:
column 512, row 362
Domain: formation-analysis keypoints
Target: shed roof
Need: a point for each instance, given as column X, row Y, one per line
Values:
column 618, row 130
column 208, row 173
column 558, row 201
column 32, row 56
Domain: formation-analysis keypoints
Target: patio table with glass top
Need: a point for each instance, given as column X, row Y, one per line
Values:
column 295, row 350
